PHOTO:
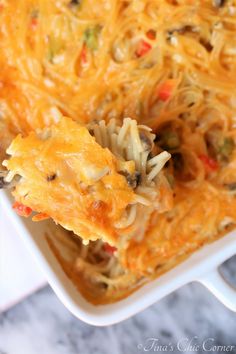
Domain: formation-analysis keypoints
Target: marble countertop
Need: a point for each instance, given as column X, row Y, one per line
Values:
column 189, row 320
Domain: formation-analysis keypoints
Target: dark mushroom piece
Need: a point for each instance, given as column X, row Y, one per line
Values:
column 218, row 3
column 74, row 3
column 181, row 30
column 51, row 177
column 6, row 185
column 207, row 45
column 146, row 141
column 133, row 180
column 231, row 186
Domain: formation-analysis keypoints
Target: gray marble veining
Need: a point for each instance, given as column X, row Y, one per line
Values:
column 187, row 317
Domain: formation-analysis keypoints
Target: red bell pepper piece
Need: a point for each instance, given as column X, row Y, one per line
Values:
column 166, row 89
column 143, row 48
column 109, row 249
column 209, row 163
column 22, row 209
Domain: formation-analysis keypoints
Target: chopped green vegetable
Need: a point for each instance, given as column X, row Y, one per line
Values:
column 170, row 140
column 91, row 37
column 219, row 146
column 226, row 149
column 55, row 45
column 171, row 180
column 34, row 13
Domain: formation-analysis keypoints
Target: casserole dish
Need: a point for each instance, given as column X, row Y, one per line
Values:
column 202, row 266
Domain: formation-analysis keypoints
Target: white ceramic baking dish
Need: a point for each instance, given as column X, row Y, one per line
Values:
column 202, row 267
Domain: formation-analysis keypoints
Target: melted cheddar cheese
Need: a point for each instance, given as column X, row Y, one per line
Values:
column 187, row 227
column 66, row 175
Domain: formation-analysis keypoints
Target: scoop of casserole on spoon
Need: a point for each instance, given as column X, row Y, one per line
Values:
column 101, row 181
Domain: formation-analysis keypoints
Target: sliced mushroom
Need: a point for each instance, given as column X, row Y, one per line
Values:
column 218, row 3
column 4, row 184
column 74, row 3
column 133, row 180
column 51, row 177
column 146, row 140
column 231, row 186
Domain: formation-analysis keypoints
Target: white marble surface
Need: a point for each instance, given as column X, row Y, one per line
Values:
column 42, row 325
